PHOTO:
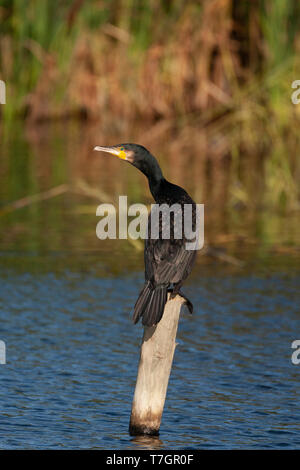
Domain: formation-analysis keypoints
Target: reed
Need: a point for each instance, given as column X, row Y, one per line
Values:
column 220, row 65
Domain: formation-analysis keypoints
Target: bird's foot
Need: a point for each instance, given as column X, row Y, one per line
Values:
column 187, row 302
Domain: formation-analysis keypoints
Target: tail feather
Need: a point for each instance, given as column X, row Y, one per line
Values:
column 142, row 302
column 150, row 304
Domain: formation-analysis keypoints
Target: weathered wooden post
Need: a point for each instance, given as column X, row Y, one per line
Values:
column 157, row 351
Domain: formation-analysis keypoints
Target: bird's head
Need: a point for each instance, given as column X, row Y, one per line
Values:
column 129, row 152
column 137, row 155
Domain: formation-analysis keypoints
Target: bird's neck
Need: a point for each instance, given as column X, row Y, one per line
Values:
column 155, row 186
column 155, row 177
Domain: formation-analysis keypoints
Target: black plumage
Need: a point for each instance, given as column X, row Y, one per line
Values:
column 167, row 261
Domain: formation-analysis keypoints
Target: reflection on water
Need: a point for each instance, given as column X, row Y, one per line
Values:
column 66, row 300
column 146, row 442
column 44, row 157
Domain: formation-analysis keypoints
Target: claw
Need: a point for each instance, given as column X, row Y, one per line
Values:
column 187, row 302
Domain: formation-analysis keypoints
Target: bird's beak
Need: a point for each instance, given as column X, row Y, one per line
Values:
column 114, row 150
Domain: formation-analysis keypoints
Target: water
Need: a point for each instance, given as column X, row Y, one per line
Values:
column 72, row 357
column 66, row 300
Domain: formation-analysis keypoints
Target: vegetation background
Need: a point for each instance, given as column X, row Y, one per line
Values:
column 206, row 85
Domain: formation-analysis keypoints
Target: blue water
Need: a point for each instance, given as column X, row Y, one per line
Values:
column 72, row 356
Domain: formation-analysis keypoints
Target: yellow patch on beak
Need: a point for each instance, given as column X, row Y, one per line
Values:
column 118, row 151
column 122, row 154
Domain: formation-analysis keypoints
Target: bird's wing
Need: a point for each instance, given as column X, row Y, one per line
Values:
column 173, row 262
column 167, row 261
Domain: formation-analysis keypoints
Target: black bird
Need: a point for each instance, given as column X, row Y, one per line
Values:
column 167, row 261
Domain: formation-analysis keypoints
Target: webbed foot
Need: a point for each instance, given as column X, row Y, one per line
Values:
column 187, row 302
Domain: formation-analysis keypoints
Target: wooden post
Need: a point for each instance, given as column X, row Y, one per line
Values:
column 156, row 359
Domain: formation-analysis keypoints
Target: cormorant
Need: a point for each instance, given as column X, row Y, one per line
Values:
column 167, row 261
